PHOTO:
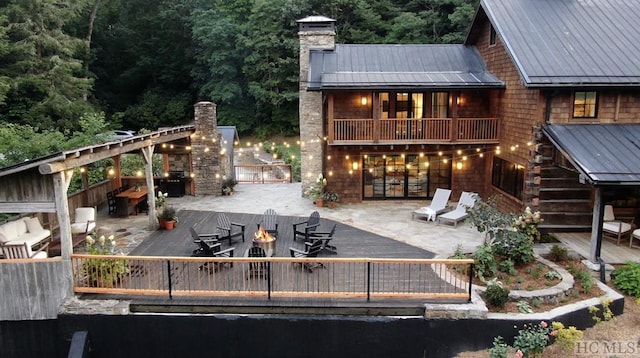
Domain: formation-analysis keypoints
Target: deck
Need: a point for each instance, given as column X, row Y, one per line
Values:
column 350, row 243
column 580, row 242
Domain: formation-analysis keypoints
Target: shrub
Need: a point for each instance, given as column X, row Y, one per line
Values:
column 565, row 337
column 485, row 261
column 627, row 279
column 558, row 254
column 458, row 254
column 532, row 339
column 496, row 295
column 607, row 314
column 499, row 349
column 584, row 276
column 524, row 307
column 508, row 267
column 553, row 275
column 514, row 245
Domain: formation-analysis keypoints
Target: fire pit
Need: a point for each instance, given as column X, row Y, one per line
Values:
column 265, row 240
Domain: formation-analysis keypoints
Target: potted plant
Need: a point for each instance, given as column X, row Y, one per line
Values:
column 331, row 198
column 167, row 218
column 316, row 192
column 227, row 186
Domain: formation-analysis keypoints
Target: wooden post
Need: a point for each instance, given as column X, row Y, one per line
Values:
column 116, row 166
column 61, row 181
column 596, row 226
column 454, row 116
column 330, row 124
column 147, row 153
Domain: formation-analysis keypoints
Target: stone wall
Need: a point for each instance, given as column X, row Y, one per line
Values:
column 205, row 147
column 310, row 109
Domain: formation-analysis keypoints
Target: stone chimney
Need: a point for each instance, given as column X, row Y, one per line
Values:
column 205, row 151
column 315, row 32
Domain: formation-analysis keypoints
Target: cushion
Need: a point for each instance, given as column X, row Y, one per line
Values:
column 616, row 226
column 3, row 238
column 10, row 230
column 39, row 255
column 21, row 226
column 33, row 225
column 85, row 214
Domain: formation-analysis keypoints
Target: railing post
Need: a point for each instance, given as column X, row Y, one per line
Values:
column 269, row 280
column 169, row 277
column 368, row 281
column 470, row 280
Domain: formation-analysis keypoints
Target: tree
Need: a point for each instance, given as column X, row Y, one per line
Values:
column 46, row 83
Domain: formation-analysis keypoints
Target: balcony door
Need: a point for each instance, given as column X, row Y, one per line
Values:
column 399, row 176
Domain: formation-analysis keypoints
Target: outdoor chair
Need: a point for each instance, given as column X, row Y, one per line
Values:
column 307, row 227
column 257, row 268
column 111, row 201
column 439, row 204
column 460, row 212
column 325, row 238
column 226, row 228
column 312, row 250
column 22, row 250
column 269, row 222
column 84, row 222
column 208, row 237
column 212, row 249
column 615, row 229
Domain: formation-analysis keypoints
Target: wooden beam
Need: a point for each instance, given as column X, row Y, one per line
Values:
column 108, row 152
column 28, row 207
column 596, row 226
column 147, row 154
column 60, row 185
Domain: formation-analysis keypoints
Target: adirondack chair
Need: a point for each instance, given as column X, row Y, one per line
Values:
column 226, row 228
column 209, row 237
column 212, row 249
column 258, row 269
column 325, row 238
column 269, row 222
column 307, row 227
column 312, row 250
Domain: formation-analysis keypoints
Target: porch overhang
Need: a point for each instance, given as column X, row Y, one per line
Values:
column 604, row 154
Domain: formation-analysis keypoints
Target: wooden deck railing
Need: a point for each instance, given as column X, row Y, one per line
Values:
column 273, row 277
column 413, row 130
column 264, row 173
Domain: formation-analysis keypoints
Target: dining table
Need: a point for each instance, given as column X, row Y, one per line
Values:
column 127, row 201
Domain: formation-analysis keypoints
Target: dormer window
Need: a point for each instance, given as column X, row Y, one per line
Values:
column 585, row 104
column 492, row 36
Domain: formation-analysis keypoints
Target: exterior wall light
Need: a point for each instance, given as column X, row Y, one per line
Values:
column 363, row 100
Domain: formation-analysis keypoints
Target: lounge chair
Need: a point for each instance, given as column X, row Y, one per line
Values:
column 85, row 221
column 312, row 250
column 614, row 229
column 460, row 212
column 226, row 229
column 269, row 222
column 307, row 227
column 439, row 204
column 22, row 250
column 209, row 237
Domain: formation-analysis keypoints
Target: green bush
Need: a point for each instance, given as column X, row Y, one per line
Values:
column 558, row 254
column 485, row 262
column 514, row 245
column 496, row 295
column 508, row 267
column 499, row 349
column 532, row 339
column 627, row 278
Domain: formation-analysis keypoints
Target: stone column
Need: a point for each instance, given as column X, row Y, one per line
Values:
column 316, row 32
column 205, row 151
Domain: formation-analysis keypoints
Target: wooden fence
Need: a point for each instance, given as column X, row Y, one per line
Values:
column 363, row 278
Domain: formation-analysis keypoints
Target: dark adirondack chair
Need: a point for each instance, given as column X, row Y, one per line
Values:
column 209, row 237
column 258, row 269
column 312, row 250
column 111, row 201
column 212, row 249
column 325, row 238
column 226, row 228
column 269, row 222
column 306, row 228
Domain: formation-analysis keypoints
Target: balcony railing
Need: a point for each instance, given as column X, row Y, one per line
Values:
column 363, row 278
column 413, row 131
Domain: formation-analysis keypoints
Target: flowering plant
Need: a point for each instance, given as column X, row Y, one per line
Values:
column 161, row 199
column 532, row 339
column 527, row 223
column 103, row 272
column 317, row 191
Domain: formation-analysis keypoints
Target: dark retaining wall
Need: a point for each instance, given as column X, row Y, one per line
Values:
column 262, row 335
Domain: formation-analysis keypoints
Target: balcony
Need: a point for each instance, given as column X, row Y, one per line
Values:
column 413, row 131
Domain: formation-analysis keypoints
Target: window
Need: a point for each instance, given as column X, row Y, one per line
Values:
column 439, row 105
column 584, row 104
column 492, row 36
column 508, row 177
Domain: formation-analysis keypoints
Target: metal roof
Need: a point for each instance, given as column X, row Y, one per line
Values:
column 570, row 42
column 605, row 154
column 399, row 67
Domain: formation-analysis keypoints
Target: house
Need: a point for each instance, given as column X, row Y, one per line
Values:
column 540, row 105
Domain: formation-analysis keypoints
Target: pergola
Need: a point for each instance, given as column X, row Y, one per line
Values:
column 40, row 185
